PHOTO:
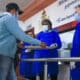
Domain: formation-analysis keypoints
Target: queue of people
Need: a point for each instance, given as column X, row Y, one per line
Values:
column 49, row 36
column 10, row 32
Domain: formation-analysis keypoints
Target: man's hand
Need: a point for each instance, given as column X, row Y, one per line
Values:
column 43, row 45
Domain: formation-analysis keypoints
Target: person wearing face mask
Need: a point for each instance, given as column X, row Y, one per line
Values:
column 75, row 51
column 49, row 36
column 9, row 32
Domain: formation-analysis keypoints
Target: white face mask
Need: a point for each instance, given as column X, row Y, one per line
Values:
column 77, row 17
column 45, row 28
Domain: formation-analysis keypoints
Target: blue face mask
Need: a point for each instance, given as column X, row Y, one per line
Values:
column 16, row 15
column 77, row 17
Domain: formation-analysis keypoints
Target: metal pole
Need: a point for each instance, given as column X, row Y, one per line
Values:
column 74, row 59
column 37, row 77
column 45, row 71
column 51, row 60
column 39, row 47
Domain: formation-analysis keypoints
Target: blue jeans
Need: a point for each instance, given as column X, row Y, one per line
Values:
column 7, row 71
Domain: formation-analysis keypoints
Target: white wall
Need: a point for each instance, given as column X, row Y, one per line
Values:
column 56, row 14
column 59, row 14
column 67, row 37
column 22, row 25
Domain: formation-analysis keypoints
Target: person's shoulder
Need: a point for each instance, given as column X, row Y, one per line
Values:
column 6, row 17
column 10, row 19
column 40, row 33
column 78, row 26
column 54, row 31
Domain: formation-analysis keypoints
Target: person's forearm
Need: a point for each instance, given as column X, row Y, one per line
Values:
column 18, row 33
column 30, row 40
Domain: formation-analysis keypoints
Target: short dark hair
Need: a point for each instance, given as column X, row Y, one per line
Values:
column 78, row 6
column 11, row 6
column 48, row 21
